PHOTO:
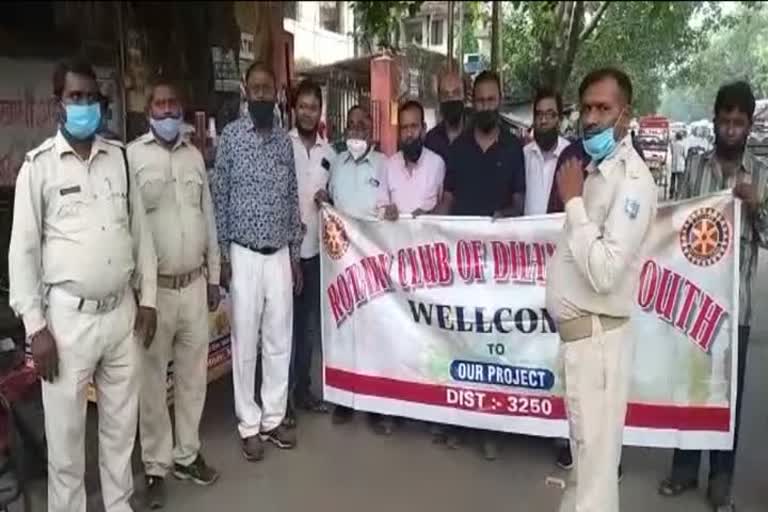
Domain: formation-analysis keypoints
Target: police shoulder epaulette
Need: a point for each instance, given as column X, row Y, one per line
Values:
column 47, row 145
column 141, row 138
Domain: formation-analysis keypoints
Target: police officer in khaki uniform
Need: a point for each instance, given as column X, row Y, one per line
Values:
column 171, row 175
column 592, row 282
column 79, row 239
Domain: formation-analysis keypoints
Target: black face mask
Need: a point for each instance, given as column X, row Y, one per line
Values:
column 412, row 150
column 486, row 120
column 546, row 139
column 262, row 113
column 452, row 111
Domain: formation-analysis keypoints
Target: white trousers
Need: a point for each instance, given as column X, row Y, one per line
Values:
column 182, row 337
column 102, row 347
column 262, row 316
column 597, row 375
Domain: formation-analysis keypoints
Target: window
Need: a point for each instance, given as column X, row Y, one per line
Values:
column 413, row 32
column 436, row 34
column 330, row 16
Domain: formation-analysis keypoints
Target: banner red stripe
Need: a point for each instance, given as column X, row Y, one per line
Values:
column 689, row 418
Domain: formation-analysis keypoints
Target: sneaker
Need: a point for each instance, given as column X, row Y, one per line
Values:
column 155, row 492
column 564, row 458
column 199, row 472
column 253, row 449
column 280, row 437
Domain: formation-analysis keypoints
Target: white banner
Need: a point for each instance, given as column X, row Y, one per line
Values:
column 443, row 319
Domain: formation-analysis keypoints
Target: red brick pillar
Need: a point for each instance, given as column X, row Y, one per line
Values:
column 384, row 80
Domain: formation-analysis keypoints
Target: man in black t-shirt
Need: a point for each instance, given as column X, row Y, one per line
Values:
column 485, row 169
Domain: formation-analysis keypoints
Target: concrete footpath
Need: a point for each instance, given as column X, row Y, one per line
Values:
column 349, row 469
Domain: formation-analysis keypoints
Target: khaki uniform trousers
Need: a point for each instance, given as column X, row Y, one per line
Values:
column 182, row 337
column 99, row 347
column 597, row 373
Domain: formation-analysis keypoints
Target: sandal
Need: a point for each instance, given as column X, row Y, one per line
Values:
column 673, row 487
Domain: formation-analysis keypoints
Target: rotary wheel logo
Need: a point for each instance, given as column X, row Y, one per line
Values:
column 705, row 237
column 335, row 237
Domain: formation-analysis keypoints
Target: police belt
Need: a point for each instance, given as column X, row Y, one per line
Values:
column 581, row 328
column 178, row 281
column 103, row 305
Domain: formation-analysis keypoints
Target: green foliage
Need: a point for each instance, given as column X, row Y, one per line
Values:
column 556, row 43
column 474, row 16
column 378, row 23
column 737, row 51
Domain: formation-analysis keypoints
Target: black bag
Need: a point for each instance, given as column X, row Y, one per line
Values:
column 27, row 454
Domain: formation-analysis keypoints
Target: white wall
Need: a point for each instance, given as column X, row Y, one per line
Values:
column 313, row 43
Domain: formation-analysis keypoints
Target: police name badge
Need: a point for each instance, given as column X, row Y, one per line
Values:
column 631, row 208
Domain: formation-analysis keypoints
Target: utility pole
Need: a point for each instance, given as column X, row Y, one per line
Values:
column 460, row 53
column 495, row 36
column 450, row 35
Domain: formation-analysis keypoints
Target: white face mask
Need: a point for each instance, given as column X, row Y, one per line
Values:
column 357, row 147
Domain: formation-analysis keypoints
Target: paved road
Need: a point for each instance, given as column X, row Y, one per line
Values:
column 349, row 469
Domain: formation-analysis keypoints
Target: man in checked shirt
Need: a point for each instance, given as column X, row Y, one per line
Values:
column 256, row 202
column 729, row 165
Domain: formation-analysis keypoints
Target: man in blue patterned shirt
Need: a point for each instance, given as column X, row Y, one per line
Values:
column 260, row 231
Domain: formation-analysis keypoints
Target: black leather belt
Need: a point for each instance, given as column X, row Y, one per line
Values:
column 266, row 251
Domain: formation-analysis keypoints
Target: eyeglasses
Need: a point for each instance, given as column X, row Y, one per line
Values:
column 548, row 115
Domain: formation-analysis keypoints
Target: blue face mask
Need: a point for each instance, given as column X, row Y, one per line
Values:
column 600, row 145
column 167, row 128
column 82, row 121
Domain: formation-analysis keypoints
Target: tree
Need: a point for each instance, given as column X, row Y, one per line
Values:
column 737, row 51
column 378, row 23
column 550, row 43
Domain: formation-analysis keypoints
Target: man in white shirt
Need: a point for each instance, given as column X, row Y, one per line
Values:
column 312, row 156
column 542, row 153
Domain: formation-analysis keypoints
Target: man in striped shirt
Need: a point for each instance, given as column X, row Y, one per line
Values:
column 730, row 165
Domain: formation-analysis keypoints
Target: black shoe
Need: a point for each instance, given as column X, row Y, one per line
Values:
column 253, row 449
column 280, row 437
column 310, row 403
column 673, row 486
column 564, row 458
column 199, row 472
column 490, row 449
column 383, row 425
column 155, row 492
column 342, row 415
column 719, row 493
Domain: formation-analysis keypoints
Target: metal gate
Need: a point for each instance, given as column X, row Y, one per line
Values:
column 342, row 93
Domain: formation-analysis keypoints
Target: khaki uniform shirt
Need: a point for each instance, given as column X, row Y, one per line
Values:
column 174, row 189
column 71, row 229
column 595, row 267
